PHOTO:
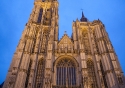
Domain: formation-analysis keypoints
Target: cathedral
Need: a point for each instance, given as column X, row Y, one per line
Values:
column 85, row 60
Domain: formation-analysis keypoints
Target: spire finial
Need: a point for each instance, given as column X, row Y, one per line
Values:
column 82, row 13
column 65, row 32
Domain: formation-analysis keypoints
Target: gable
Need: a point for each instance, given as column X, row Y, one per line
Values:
column 65, row 40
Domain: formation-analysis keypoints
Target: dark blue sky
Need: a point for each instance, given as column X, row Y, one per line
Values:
column 14, row 14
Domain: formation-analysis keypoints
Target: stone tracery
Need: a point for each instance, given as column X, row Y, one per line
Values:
column 40, row 39
column 66, row 72
column 91, row 74
column 40, row 74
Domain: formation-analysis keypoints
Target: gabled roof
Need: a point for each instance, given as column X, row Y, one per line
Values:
column 65, row 40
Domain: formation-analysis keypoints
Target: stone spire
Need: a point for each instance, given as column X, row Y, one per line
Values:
column 83, row 18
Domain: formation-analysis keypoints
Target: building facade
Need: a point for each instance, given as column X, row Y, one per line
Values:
column 41, row 60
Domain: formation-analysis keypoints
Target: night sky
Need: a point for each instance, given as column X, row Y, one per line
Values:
column 14, row 14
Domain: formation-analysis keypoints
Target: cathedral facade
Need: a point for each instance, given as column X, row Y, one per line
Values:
column 84, row 60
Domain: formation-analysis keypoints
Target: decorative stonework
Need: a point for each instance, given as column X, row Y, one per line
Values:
column 41, row 60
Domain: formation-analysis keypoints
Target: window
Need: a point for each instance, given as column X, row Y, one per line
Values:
column 40, row 74
column 120, row 79
column 66, row 73
column 103, row 74
column 40, row 16
column 28, row 74
column 43, row 0
column 91, row 74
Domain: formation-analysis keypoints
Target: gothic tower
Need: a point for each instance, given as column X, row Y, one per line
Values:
column 41, row 60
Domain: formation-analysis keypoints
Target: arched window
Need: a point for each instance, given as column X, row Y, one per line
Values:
column 28, row 74
column 40, row 16
column 40, row 74
column 103, row 74
column 91, row 74
column 66, row 73
column 120, row 80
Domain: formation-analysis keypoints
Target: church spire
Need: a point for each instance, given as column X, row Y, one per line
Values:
column 83, row 18
column 82, row 14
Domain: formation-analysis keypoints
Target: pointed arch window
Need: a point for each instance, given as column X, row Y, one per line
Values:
column 40, row 16
column 66, row 73
column 103, row 75
column 28, row 74
column 91, row 74
column 40, row 74
column 120, row 80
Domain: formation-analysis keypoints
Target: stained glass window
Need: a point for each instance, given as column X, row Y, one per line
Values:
column 66, row 73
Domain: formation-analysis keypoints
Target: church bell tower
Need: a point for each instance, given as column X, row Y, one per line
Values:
column 38, row 42
column 84, row 60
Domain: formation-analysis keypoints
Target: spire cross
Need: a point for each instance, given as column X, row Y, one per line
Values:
column 64, row 32
column 82, row 9
column 82, row 13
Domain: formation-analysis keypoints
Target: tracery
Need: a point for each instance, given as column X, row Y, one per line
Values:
column 66, row 73
column 91, row 74
column 28, row 74
column 40, row 74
